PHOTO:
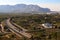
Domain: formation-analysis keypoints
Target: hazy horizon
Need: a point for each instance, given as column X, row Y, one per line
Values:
column 51, row 4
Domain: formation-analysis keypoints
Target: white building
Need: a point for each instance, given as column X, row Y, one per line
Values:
column 47, row 25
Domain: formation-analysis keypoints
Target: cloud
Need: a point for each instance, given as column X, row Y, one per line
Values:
column 53, row 7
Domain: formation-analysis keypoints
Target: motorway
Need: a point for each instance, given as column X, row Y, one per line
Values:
column 17, row 30
column 19, row 26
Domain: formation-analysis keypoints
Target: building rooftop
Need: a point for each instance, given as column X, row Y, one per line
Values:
column 47, row 25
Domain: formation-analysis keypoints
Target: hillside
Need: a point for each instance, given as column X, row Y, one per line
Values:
column 22, row 8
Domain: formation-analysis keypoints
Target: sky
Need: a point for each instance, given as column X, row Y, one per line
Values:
column 54, row 5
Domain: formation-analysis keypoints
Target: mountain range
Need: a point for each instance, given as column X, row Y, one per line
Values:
column 22, row 8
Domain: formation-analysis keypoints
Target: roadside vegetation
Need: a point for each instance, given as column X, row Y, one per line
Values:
column 33, row 22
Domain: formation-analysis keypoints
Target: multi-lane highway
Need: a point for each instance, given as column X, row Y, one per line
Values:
column 17, row 29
